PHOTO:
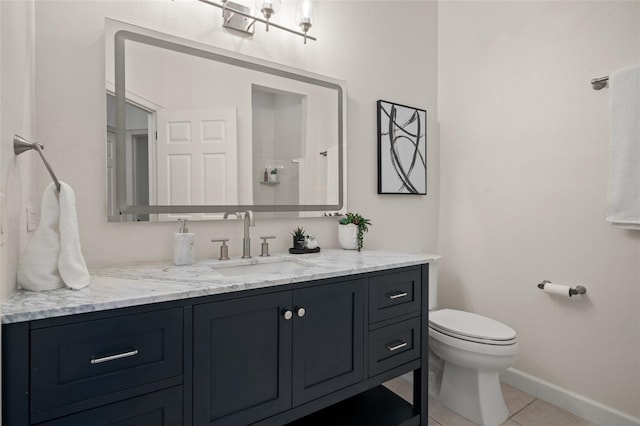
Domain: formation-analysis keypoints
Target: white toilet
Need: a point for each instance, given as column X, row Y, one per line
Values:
column 474, row 350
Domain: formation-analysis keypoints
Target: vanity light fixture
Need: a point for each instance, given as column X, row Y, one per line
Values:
column 303, row 16
column 240, row 18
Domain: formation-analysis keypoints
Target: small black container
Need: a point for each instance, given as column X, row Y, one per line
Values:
column 298, row 243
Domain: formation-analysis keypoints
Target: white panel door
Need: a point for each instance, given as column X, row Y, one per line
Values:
column 197, row 159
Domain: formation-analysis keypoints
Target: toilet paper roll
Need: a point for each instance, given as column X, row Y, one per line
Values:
column 560, row 290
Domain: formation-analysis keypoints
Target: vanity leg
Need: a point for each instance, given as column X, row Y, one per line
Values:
column 15, row 374
column 420, row 394
column 421, row 375
column 187, row 388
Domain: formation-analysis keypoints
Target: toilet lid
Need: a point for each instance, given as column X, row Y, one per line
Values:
column 471, row 326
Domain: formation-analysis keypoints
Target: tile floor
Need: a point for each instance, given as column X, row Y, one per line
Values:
column 524, row 409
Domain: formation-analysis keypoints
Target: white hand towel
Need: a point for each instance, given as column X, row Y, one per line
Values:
column 623, row 196
column 53, row 258
column 71, row 264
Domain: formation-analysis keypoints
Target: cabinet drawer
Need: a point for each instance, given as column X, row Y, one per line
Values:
column 394, row 294
column 162, row 408
column 394, row 345
column 80, row 361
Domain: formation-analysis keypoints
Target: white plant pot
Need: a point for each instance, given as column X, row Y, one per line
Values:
column 348, row 236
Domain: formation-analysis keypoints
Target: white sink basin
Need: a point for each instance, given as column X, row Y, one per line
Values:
column 263, row 266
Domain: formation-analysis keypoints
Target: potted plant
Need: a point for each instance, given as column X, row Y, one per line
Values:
column 273, row 176
column 298, row 238
column 351, row 231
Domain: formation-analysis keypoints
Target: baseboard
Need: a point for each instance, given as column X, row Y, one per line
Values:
column 579, row 405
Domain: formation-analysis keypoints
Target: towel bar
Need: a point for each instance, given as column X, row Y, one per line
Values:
column 600, row 83
column 21, row 145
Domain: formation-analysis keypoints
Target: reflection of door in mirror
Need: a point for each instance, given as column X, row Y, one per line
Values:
column 138, row 149
column 112, row 208
column 197, row 159
column 139, row 159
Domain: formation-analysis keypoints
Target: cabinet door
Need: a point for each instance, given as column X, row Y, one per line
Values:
column 242, row 360
column 327, row 339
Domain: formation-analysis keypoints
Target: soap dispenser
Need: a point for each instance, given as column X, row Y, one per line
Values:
column 183, row 252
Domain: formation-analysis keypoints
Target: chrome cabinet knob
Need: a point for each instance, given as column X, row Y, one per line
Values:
column 301, row 312
column 287, row 314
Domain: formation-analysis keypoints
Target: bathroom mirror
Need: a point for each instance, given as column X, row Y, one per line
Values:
column 195, row 132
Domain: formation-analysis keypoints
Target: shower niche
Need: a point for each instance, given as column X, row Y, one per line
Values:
column 279, row 145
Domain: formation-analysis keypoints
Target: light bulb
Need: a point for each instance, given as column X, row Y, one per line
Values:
column 303, row 11
column 306, row 9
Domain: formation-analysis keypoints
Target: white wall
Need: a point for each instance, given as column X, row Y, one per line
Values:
column 16, row 117
column 70, row 108
column 524, row 149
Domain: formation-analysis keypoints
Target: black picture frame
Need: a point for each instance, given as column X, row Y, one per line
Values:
column 402, row 149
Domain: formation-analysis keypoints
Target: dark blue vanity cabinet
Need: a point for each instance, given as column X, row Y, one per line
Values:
column 259, row 356
column 312, row 353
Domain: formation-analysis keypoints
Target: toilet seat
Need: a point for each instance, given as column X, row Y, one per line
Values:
column 471, row 327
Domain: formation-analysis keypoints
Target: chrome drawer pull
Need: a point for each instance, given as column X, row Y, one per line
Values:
column 114, row 357
column 391, row 347
column 397, row 295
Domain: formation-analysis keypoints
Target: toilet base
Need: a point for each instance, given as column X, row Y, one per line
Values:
column 473, row 394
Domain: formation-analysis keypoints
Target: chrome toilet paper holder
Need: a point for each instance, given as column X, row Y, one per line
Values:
column 572, row 290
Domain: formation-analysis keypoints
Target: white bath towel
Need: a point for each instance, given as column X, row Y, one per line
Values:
column 623, row 196
column 53, row 258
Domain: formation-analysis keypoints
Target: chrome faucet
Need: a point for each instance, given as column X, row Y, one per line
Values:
column 249, row 220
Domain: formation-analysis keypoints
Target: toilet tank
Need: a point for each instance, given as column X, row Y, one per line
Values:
column 433, row 286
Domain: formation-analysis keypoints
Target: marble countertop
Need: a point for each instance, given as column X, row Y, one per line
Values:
column 144, row 283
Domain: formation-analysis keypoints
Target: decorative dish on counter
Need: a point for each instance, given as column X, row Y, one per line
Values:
column 304, row 250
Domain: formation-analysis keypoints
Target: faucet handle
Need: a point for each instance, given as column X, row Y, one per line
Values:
column 265, row 244
column 224, row 248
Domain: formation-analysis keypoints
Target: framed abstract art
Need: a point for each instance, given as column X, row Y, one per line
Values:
column 402, row 149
